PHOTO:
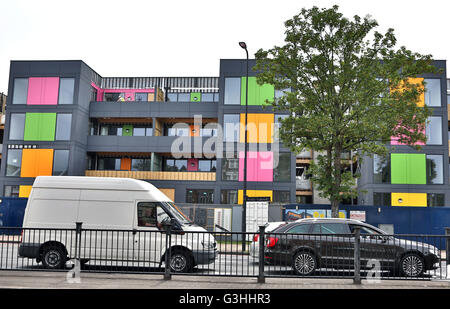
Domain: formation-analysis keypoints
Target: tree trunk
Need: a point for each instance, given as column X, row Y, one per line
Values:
column 337, row 182
column 335, row 209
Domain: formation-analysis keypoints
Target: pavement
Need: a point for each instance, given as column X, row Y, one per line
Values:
column 59, row 280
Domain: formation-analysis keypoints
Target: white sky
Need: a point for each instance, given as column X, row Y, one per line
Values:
column 187, row 38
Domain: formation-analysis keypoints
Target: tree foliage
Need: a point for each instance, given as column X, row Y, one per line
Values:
column 349, row 90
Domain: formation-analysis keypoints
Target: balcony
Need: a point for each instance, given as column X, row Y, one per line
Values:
column 303, row 184
column 111, row 143
column 155, row 109
column 155, row 175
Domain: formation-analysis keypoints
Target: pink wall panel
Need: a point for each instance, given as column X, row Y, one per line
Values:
column 128, row 92
column 394, row 141
column 192, row 165
column 43, row 90
column 259, row 166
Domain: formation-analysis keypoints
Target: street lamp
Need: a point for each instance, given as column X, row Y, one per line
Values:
column 244, row 208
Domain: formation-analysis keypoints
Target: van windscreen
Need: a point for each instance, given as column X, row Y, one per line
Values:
column 177, row 213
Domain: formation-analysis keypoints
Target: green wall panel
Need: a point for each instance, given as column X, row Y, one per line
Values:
column 257, row 95
column 398, row 168
column 127, row 130
column 196, row 97
column 408, row 169
column 417, row 169
column 40, row 127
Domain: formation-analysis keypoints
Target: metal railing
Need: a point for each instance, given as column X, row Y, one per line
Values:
column 168, row 251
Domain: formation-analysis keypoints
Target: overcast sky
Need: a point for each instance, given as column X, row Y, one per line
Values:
column 187, row 38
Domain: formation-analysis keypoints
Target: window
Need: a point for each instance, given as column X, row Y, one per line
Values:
column 304, row 199
column 277, row 126
column 434, row 131
column 17, row 126
column 300, row 229
column 61, row 163
column 330, row 228
column 232, row 91
column 172, row 97
column 109, row 164
column 138, row 131
column 230, row 169
column 141, row 97
column 433, row 92
column 364, row 230
column 435, row 200
column 231, row 123
column 206, row 165
column 216, row 97
column 140, row 164
column 20, row 91
column 114, row 96
column 66, row 89
column 435, row 169
column 209, row 130
column 282, row 170
column 381, row 169
column 281, row 196
column 175, row 165
column 229, row 197
column 147, row 214
column 382, row 199
column 200, row 196
column 11, row 191
column 280, row 93
column 207, row 97
column 63, row 127
column 13, row 162
column 177, row 129
column 184, row 97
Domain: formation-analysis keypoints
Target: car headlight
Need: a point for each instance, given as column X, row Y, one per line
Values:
column 208, row 245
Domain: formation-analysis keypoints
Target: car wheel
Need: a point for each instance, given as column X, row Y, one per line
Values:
column 53, row 257
column 180, row 262
column 412, row 265
column 304, row 263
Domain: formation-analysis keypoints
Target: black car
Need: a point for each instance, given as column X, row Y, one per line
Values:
column 310, row 244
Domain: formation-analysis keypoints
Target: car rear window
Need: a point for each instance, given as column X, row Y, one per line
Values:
column 299, row 229
column 330, row 228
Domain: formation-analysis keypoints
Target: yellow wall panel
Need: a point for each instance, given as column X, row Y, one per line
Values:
column 254, row 193
column 24, row 191
column 409, row 199
column 260, row 128
column 419, row 81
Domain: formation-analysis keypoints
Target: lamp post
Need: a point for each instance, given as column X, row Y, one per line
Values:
column 244, row 206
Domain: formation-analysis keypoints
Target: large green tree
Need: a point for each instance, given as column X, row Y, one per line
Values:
column 349, row 89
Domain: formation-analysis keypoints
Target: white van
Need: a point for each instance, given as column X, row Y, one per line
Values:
column 122, row 219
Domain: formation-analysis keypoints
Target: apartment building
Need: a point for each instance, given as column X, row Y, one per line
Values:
column 185, row 135
column 63, row 118
column 407, row 177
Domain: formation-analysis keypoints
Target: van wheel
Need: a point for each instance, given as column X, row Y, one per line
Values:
column 180, row 262
column 53, row 257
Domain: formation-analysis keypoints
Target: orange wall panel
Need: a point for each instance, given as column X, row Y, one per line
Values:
column 36, row 162
column 125, row 164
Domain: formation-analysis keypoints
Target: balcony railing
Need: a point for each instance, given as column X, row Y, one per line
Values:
column 155, row 175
